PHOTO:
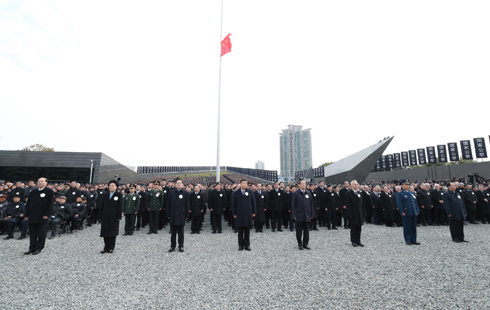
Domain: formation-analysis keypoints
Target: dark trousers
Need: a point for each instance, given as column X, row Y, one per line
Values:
column 109, row 243
column 313, row 223
column 438, row 216
column 244, row 236
column 456, row 229
column 377, row 216
column 161, row 219
column 425, row 215
column 94, row 216
column 355, row 234
column 268, row 217
column 37, row 236
column 54, row 224
column 259, row 226
column 302, row 232
column 339, row 218
column 276, row 217
column 285, row 218
column 471, row 216
column 196, row 223
column 398, row 218
column 18, row 221
column 216, row 220
column 142, row 218
column 410, row 228
column 153, row 221
column 292, row 221
column 174, row 230
column 129, row 223
column 74, row 222
column 331, row 219
column 322, row 217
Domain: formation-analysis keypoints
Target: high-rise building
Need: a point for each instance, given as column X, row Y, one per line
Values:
column 295, row 148
column 259, row 165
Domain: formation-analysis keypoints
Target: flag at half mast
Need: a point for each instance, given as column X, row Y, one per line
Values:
column 226, row 45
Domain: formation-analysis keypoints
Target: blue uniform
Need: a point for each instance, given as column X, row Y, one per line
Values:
column 407, row 203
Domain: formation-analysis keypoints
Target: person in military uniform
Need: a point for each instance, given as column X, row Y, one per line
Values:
column 196, row 209
column 78, row 211
column 15, row 216
column 156, row 202
column 177, row 214
column 61, row 212
column 130, row 210
column 409, row 209
column 456, row 211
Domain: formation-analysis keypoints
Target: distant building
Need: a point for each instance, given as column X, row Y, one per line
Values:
column 295, row 151
column 259, row 165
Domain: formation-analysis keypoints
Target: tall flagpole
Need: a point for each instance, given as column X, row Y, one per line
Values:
column 218, row 173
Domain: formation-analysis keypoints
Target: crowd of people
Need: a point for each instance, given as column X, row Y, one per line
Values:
column 147, row 204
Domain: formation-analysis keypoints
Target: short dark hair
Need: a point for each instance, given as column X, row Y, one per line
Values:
column 243, row 180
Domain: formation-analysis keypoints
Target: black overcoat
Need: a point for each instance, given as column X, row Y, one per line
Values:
column 110, row 213
column 178, row 207
column 243, row 206
column 354, row 207
column 260, row 204
column 39, row 204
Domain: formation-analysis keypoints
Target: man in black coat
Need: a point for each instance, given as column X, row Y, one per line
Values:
column 244, row 208
column 142, row 216
column 302, row 210
column 319, row 194
column 425, row 204
column 177, row 214
column 342, row 193
column 376, row 206
column 196, row 208
column 72, row 193
column 259, row 218
column 354, row 209
column 217, row 205
column 387, row 206
column 110, row 213
column 438, row 216
column 315, row 196
column 38, row 209
column 13, row 216
column 17, row 191
column 366, row 196
column 91, row 206
column 276, row 205
column 470, row 201
column 483, row 204
column 456, row 212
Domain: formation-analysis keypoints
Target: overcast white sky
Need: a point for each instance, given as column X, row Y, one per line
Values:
column 138, row 80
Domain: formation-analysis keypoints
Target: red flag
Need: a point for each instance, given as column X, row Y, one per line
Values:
column 226, row 45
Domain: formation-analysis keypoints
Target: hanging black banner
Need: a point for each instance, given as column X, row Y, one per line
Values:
column 453, row 151
column 422, row 158
column 383, row 162
column 398, row 162
column 413, row 157
column 480, row 148
column 442, row 153
column 431, row 154
column 466, row 149
column 389, row 159
column 405, row 159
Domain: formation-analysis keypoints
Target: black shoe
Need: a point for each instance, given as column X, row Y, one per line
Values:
column 21, row 237
column 8, row 237
column 416, row 243
column 248, row 248
column 330, row 228
column 220, row 232
column 171, row 249
column 181, row 250
column 354, row 245
column 345, row 227
column 315, row 229
column 409, row 243
column 213, row 232
column 198, row 232
column 334, row 228
column 36, row 252
column 103, row 251
column 52, row 236
column 291, row 230
column 235, row 231
column 28, row 252
column 464, row 241
column 424, row 224
column 149, row 233
column 360, row 244
column 137, row 229
column 300, row 247
column 306, row 247
column 273, row 229
column 279, row 230
column 240, row 248
column 457, row 241
column 125, row 234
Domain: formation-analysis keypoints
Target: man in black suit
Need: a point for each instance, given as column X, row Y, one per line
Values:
column 38, row 209
column 177, row 214
column 275, row 204
column 376, row 206
column 302, row 210
column 470, row 201
column 217, row 205
column 354, row 209
column 425, row 204
column 243, row 208
column 456, row 212
column 342, row 193
column 196, row 209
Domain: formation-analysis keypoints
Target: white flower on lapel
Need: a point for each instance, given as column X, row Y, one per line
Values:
column 246, row 194
column 116, row 198
column 134, row 198
column 306, row 196
column 180, row 196
column 42, row 195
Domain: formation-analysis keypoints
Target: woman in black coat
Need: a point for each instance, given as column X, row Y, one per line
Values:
column 110, row 212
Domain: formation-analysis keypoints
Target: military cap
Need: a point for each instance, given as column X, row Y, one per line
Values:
column 156, row 183
column 3, row 196
column 63, row 197
column 405, row 181
column 132, row 186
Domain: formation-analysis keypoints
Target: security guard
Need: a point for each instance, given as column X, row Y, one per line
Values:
column 156, row 201
column 407, row 205
column 130, row 210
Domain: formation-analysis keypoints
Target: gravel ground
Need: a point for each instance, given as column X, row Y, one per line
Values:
column 213, row 274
